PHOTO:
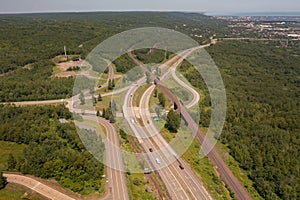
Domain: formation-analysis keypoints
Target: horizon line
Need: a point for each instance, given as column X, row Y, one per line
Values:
column 180, row 11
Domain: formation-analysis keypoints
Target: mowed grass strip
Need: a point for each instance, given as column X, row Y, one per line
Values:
column 9, row 148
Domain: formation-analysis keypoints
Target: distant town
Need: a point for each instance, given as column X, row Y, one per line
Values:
column 266, row 27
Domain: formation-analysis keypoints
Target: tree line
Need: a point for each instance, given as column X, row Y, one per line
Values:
column 54, row 150
column 262, row 125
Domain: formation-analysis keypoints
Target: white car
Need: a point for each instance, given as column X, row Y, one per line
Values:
column 157, row 160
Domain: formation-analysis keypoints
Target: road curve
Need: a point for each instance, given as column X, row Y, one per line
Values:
column 116, row 185
column 225, row 173
column 188, row 178
column 37, row 186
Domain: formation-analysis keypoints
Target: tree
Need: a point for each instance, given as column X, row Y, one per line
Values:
column 94, row 100
column 112, row 119
column 82, row 99
column 103, row 113
column 11, row 162
column 162, row 99
column 92, row 90
column 3, row 181
column 113, row 83
column 99, row 97
column 173, row 121
column 155, row 92
column 148, row 77
column 158, row 110
column 113, row 105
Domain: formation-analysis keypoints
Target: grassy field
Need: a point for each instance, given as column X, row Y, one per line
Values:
column 139, row 187
column 204, row 168
column 17, row 192
column 6, row 149
column 138, row 94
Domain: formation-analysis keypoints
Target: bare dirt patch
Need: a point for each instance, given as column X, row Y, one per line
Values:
column 66, row 65
column 65, row 74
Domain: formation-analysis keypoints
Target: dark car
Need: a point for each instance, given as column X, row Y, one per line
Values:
column 181, row 166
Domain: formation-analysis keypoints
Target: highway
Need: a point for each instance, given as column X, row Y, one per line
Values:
column 225, row 173
column 116, row 185
column 174, row 178
column 117, row 188
column 181, row 184
column 37, row 187
column 188, row 177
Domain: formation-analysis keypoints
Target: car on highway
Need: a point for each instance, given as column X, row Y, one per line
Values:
column 132, row 120
column 181, row 166
column 157, row 160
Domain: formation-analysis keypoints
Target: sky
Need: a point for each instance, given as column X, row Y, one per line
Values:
column 210, row 6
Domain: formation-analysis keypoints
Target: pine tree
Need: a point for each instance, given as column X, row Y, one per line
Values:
column 155, row 92
column 99, row 97
column 11, row 162
column 148, row 78
column 94, row 100
column 103, row 113
column 162, row 99
column 112, row 119
column 3, row 181
column 82, row 99
column 109, row 85
column 113, row 83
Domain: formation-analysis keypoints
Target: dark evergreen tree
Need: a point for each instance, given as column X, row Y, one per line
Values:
column 3, row 181
column 155, row 92
column 162, row 99
column 99, row 97
column 94, row 100
column 11, row 162
column 112, row 119
column 81, row 98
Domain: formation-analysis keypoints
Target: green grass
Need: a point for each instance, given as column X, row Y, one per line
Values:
column 138, row 187
column 138, row 94
column 104, row 103
column 56, row 70
column 6, row 149
column 204, row 168
column 16, row 192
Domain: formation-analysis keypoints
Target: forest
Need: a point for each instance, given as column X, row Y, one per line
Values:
column 54, row 150
column 28, row 42
column 262, row 128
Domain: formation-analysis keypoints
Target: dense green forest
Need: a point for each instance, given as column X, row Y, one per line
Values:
column 54, row 150
column 34, row 39
column 262, row 128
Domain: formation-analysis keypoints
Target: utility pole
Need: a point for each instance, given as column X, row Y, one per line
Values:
column 65, row 49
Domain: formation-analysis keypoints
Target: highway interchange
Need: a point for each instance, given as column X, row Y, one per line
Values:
column 180, row 183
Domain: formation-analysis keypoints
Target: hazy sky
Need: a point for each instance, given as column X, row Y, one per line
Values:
column 223, row 6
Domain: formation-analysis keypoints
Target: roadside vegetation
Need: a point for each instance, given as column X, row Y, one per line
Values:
column 30, row 42
column 53, row 150
column 15, row 191
column 262, row 125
